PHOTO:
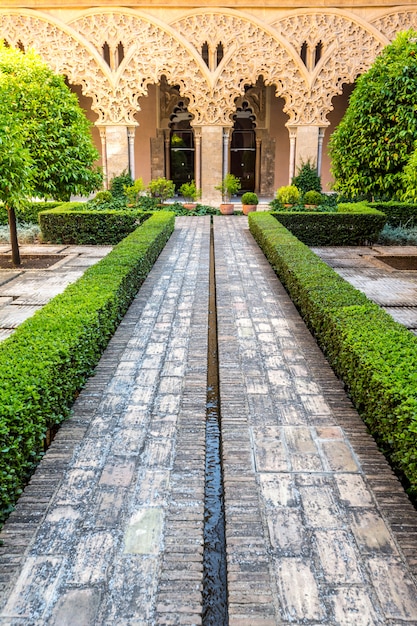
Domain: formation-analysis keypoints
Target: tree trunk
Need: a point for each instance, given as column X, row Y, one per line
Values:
column 13, row 236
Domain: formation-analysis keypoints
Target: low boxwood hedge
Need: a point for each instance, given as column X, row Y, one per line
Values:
column 73, row 223
column 353, row 224
column 398, row 213
column 375, row 356
column 48, row 358
column 27, row 214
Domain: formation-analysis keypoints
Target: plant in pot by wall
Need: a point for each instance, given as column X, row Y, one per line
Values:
column 249, row 202
column 229, row 186
column 161, row 189
column 312, row 198
column 288, row 195
column 191, row 194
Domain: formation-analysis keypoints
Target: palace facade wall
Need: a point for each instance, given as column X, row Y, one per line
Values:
column 196, row 91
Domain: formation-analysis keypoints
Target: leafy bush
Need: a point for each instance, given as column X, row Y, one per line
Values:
column 288, row 194
column 375, row 356
column 353, row 224
column 398, row 213
column 161, row 188
column 26, row 233
column 135, row 191
column 249, row 198
column 312, row 197
column 229, row 186
column 71, row 223
column 48, row 358
column 307, row 178
column 398, row 236
column 118, row 185
column 190, row 192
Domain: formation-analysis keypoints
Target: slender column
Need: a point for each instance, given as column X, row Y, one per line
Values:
column 320, row 150
column 167, row 155
column 293, row 138
column 258, row 165
column 197, row 157
column 226, row 140
column 102, row 130
column 131, row 142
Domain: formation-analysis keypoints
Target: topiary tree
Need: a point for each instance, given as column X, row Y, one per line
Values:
column 46, row 148
column 307, row 178
column 375, row 139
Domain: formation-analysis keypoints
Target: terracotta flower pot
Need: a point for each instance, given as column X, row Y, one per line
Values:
column 248, row 208
column 227, row 209
column 190, row 205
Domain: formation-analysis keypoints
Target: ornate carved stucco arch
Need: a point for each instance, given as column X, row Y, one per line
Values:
column 392, row 22
column 251, row 49
column 62, row 48
column 349, row 45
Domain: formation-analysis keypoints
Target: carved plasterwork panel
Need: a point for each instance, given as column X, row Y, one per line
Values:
column 63, row 50
column 348, row 48
column 250, row 50
column 392, row 23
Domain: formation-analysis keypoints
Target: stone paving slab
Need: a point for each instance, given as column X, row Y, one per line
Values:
column 110, row 528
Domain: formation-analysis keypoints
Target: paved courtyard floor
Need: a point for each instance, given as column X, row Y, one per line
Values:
column 110, row 529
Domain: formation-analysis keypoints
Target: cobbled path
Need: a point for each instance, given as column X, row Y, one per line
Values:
column 110, row 529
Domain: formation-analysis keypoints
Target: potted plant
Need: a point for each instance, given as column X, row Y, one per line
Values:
column 190, row 193
column 249, row 202
column 161, row 189
column 229, row 186
column 312, row 198
column 288, row 195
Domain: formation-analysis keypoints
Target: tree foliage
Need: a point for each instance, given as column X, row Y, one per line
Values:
column 44, row 117
column 375, row 139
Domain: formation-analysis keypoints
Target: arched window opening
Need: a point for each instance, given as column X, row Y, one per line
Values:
column 205, row 53
column 243, row 147
column 303, row 53
column 181, row 145
column 318, row 53
column 219, row 53
column 120, row 53
column 106, row 53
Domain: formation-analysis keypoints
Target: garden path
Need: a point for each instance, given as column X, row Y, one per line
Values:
column 110, row 528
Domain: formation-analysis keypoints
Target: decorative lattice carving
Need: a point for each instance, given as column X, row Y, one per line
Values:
column 392, row 23
column 349, row 47
column 250, row 50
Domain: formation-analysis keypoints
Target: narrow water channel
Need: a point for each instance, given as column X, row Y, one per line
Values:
column 215, row 579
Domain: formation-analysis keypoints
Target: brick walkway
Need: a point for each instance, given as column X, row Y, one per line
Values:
column 110, row 529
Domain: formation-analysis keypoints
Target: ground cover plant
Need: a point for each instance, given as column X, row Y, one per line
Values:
column 44, row 364
column 375, row 356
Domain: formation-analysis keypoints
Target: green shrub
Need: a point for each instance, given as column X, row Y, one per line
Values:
column 375, row 356
column 312, row 197
column 118, row 185
column 307, row 178
column 161, row 188
column 249, row 198
column 27, row 214
column 288, row 194
column 46, row 361
column 398, row 213
column 72, row 223
column 353, row 224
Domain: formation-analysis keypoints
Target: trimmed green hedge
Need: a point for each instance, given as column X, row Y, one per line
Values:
column 354, row 224
column 27, row 214
column 72, row 223
column 398, row 213
column 46, row 361
column 375, row 356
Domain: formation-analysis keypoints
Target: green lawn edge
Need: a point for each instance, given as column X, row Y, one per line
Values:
column 374, row 356
column 47, row 360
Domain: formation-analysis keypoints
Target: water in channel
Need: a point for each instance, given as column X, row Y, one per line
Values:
column 215, row 579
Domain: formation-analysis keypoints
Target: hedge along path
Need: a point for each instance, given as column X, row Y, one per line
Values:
column 375, row 356
column 44, row 364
